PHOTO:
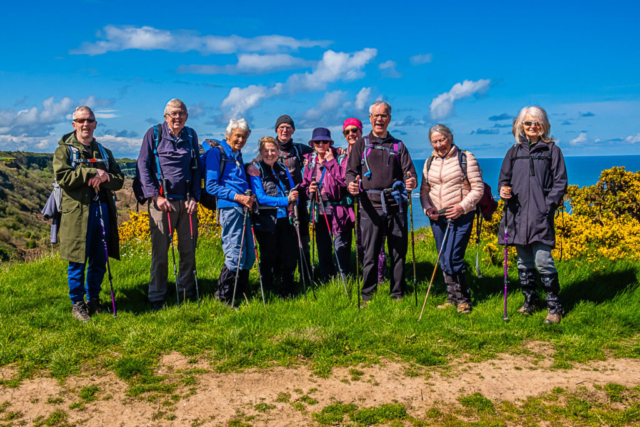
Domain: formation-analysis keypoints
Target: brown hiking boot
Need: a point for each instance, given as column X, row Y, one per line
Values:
column 464, row 308
column 527, row 310
column 553, row 319
column 445, row 305
column 80, row 312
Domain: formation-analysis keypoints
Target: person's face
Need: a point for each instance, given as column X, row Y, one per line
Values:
column 285, row 132
column 532, row 127
column 84, row 125
column 440, row 143
column 176, row 117
column 270, row 153
column 380, row 119
column 352, row 134
column 237, row 139
column 321, row 146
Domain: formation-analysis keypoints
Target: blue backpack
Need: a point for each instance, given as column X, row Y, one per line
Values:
column 207, row 200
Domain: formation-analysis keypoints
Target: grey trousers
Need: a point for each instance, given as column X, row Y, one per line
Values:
column 160, row 243
column 536, row 255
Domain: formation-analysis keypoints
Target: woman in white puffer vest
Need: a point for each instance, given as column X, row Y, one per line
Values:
column 445, row 186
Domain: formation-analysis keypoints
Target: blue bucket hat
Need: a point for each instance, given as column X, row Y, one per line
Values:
column 321, row 134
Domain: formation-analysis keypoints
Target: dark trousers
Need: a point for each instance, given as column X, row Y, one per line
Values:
column 374, row 226
column 452, row 258
column 325, row 250
column 279, row 253
column 227, row 281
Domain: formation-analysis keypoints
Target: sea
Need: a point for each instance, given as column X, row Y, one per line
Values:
column 581, row 171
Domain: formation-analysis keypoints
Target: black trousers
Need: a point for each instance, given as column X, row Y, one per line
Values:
column 373, row 227
column 278, row 255
column 325, row 250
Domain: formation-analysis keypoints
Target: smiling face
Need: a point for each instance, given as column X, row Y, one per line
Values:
column 285, row 132
column 270, row 152
column 440, row 143
column 352, row 134
column 237, row 139
column 321, row 146
column 533, row 129
column 84, row 125
column 380, row 120
column 176, row 118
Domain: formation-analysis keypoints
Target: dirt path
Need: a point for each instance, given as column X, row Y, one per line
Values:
column 218, row 398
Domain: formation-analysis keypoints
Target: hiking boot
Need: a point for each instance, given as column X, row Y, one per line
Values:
column 80, row 312
column 364, row 304
column 156, row 305
column 464, row 308
column 94, row 306
column 553, row 319
column 528, row 310
column 445, row 305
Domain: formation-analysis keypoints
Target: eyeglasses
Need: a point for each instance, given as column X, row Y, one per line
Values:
column 81, row 121
column 322, row 142
column 380, row 116
column 175, row 115
column 350, row 130
column 529, row 124
column 285, row 128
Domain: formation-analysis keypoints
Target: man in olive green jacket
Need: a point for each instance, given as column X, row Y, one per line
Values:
column 87, row 174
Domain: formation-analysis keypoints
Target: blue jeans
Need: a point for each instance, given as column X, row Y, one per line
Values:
column 96, row 256
column 231, row 220
column 452, row 258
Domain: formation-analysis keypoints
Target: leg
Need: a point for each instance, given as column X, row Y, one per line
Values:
column 97, row 257
column 288, row 246
column 371, row 232
column 460, row 235
column 343, row 248
column 438, row 228
column 159, row 228
column 325, row 251
column 397, row 238
column 550, row 283
column 268, row 248
column 231, row 220
column 382, row 260
column 186, row 249
column 527, row 275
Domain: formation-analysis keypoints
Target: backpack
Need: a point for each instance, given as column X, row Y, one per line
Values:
column 487, row 204
column 207, row 200
column 365, row 153
column 157, row 136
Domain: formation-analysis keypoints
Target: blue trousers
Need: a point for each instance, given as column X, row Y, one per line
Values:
column 96, row 257
column 452, row 258
column 232, row 222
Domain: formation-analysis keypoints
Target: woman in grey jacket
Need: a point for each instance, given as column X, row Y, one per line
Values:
column 533, row 182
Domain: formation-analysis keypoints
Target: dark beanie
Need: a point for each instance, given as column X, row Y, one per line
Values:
column 285, row 119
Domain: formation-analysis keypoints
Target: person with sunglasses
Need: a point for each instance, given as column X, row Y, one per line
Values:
column 323, row 182
column 533, row 182
column 352, row 131
column 167, row 162
column 88, row 174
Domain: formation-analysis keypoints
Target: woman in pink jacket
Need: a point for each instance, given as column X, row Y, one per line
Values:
column 446, row 185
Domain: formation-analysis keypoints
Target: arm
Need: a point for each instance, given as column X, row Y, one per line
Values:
column 425, row 188
column 263, row 198
column 145, row 165
column 335, row 170
column 408, row 169
column 560, row 180
column 196, row 175
column 354, row 168
column 68, row 178
column 213, row 184
column 116, row 177
column 474, row 174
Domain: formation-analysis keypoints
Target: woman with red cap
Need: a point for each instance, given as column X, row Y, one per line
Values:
column 323, row 181
column 352, row 130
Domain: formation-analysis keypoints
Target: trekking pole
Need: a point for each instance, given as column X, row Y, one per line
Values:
column 355, row 207
column 106, row 252
column 244, row 229
column 506, row 248
column 444, row 241
column 313, row 236
column 255, row 247
column 413, row 252
column 304, row 268
column 478, row 232
column 333, row 241
column 173, row 251
column 193, row 242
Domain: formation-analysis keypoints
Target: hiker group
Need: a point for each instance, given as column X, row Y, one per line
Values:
column 271, row 202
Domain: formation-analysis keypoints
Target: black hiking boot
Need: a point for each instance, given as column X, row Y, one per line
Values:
column 95, row 307
column 156, row 305
column 80, row 312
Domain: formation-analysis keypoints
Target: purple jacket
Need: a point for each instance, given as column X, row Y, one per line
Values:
column 334, row 189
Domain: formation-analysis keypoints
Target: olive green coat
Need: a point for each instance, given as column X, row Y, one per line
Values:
column 77, row 196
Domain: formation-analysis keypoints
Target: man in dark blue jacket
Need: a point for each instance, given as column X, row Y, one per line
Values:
column 175, row 164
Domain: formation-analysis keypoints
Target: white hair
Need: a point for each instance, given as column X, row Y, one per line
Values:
column 83, row 108
column 540, row 115
column 237, row 124
column 176, row 103
column 375, row 104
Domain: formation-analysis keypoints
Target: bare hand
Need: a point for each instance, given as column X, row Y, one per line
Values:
column 410, row 182
column 163, row 204
column 313, row 187
column 94, row 182
column 341, row 151
column 253, row 171
column 432, row 213
column 354, row 186
column 293, row 196
column 246, row 201
column 104, row 176
column 505, row 192
column 454, row 212
column 191, row 206
column 328, row 156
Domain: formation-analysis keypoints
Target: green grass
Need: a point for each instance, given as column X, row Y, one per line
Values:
column 39, row 335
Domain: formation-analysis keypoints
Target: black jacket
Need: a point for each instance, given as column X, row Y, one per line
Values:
column 272, row 180
column 538, row 178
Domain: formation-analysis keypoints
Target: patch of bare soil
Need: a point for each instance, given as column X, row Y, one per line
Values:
column 219, row 398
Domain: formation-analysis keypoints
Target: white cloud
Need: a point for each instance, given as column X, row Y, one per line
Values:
column 388, row 68
column 240, row 100
column 105, row 114
column 633, row 139
column 332, row 102
column 251, row 64
column 421, row 59
column 579, row 139
column 119, row 38
column 362, row 98
column 34, row 121
column 443, row 105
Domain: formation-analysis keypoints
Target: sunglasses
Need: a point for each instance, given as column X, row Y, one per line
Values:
column 350, row 130
column 81, row 121
column 322, row 142
column 529, row 124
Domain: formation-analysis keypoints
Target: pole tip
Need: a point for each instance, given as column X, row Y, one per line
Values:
column 506, row 319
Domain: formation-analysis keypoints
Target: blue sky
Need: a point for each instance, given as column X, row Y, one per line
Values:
column 470, row 65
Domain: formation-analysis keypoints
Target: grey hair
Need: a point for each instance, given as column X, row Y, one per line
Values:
column 83, row 108
column 176, row 103
column 540, row 115
column 237, row 124
column 375, row 104
column 440, row 128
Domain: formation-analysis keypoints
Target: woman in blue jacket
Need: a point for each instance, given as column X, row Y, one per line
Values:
column 276, row 235
column 229, row 186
